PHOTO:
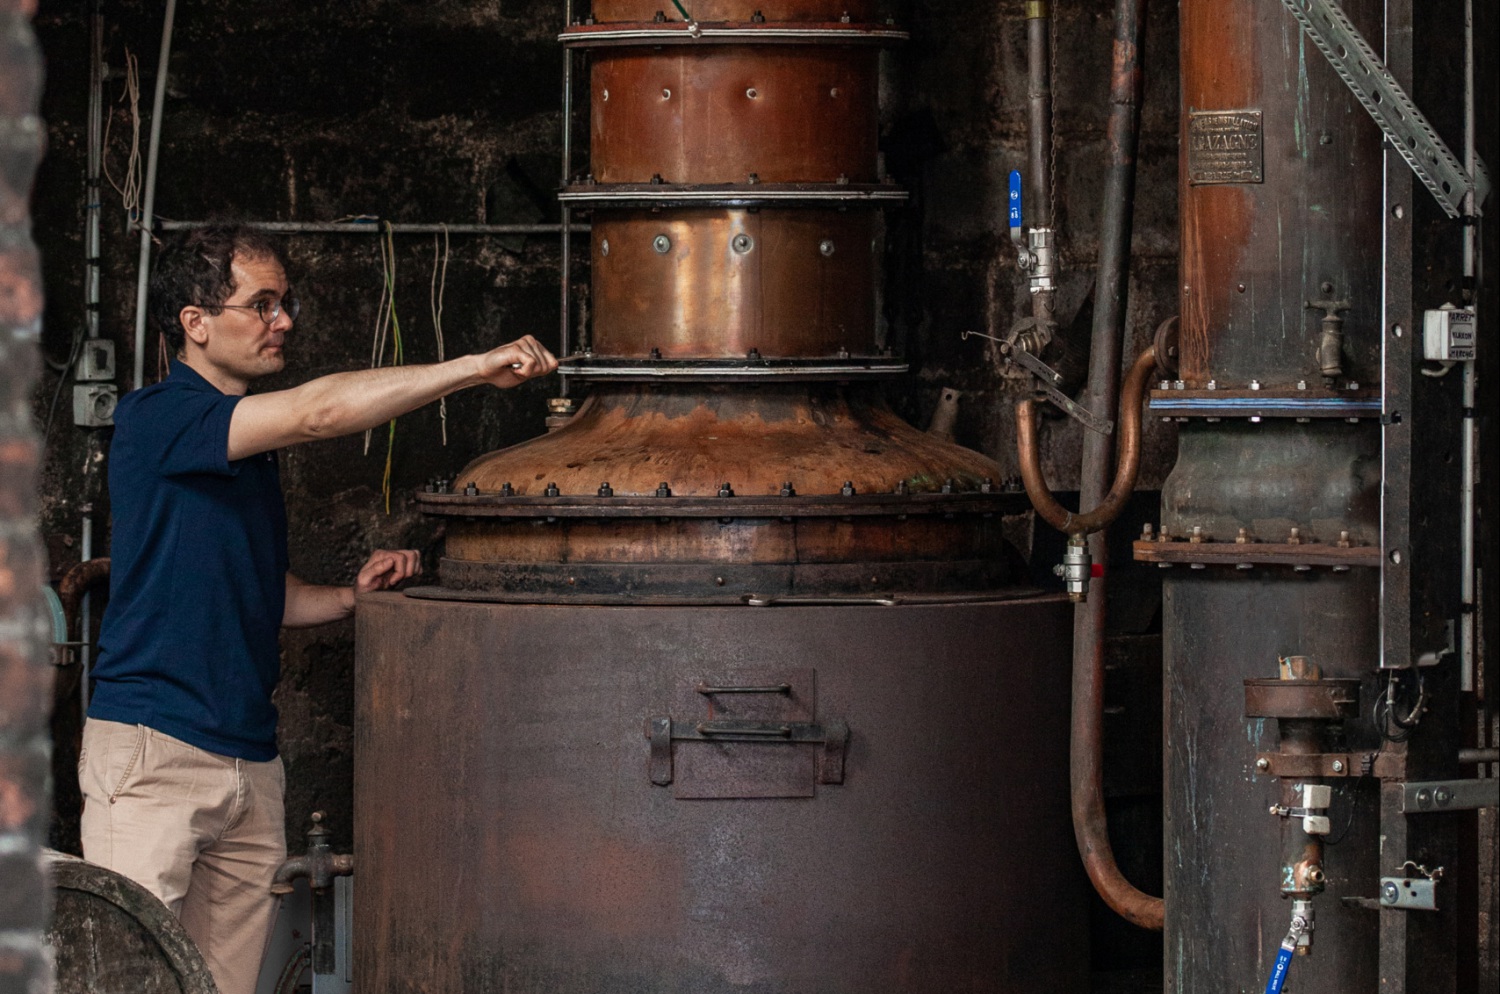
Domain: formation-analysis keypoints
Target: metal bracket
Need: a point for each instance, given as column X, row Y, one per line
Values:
column 1431, row 796
column 1411, row 893
column 1407, row 131
column 832, row 735
column 1408, row 894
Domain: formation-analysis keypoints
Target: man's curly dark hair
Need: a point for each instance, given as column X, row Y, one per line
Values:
column 194, row 270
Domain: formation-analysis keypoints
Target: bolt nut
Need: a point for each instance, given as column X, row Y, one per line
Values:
column 826, row 246
column 662, row 244
column 742, row 243
column 1263, row 764
column 1338, row 766
column 604, row 246
column 552, row 490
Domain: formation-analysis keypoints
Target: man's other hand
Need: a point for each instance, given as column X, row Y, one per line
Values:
column 385, row 568
column 513, row 364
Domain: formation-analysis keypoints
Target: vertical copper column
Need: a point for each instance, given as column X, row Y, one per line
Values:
column 1271, row 517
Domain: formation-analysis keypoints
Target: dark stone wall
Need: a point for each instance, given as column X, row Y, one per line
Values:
column 450, row 111
column 436, row 112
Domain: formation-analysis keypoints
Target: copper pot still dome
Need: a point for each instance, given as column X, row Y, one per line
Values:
column 731, row 683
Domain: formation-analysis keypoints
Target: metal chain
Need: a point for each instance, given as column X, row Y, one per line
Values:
column 1052, row 121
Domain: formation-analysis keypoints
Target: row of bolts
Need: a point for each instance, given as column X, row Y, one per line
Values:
column 755, row 18
column 950, row 486
column 1294, row 537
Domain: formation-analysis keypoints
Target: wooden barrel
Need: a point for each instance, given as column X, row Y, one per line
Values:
column 112, row 936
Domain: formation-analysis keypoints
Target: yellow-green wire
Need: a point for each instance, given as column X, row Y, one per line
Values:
column 397, row 358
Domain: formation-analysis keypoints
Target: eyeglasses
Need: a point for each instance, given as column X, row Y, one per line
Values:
column 270, row 310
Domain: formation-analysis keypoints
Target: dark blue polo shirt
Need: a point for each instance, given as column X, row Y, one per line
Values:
column 197, row 587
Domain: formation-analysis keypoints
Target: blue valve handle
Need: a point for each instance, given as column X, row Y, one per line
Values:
column 1278, row 971
column 1015, row 204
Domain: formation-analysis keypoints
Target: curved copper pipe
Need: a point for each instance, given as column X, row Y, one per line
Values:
column 70, row 590
column 1129, row 434
column 1086, row 748
column 1090, row 822
column 75, row 583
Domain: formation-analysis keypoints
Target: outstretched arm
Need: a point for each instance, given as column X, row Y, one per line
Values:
column 311, row 604
column 344, row 403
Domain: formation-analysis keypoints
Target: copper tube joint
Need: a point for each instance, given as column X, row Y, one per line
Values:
column 1126, row 470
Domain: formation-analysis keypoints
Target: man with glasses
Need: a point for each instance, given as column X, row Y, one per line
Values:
column 181, row 779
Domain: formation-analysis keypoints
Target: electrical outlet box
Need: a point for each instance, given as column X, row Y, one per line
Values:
column 96, row 360
column 94, row 404
column 1449, row 335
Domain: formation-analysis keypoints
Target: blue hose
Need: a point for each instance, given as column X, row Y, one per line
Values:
column 1278, row 972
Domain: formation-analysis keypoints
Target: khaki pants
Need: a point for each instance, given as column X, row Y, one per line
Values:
column 203, row 832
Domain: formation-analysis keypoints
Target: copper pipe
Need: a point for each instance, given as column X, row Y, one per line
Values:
column 1086, row 746
column 1090, row 819
column 75, row 583
column 1129, row 432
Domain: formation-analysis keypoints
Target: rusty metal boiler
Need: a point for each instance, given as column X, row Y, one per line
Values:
column 1286, row 597
column 731, row 683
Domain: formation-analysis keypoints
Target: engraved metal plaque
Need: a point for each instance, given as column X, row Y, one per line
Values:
column 1224, row 146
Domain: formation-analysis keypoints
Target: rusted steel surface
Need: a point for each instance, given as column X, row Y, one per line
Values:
column 1258, row 100
column 1224, row 854
column 25, row 676
column 111, row 934
column 718, row 114
column 816, row 437
column 706, row 283
column 708, row 582
column 1321, row 478
column 1256, row 553
column 729, row 540
column 740, row 11
column 1329, row 700
column 513, row 838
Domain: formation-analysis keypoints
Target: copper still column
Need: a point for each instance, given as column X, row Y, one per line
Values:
column 731, row 683
column 1272, row 520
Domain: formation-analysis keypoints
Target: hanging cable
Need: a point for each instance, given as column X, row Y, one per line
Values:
column 382, row 322
column 439, row 283
column 388, row 254
column 129, row 188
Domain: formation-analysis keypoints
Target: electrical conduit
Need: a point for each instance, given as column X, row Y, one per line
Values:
column 148, row 206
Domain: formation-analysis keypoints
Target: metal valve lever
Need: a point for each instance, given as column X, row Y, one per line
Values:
column 1047, row 380
column 1024, row 259
column 1034, row 248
